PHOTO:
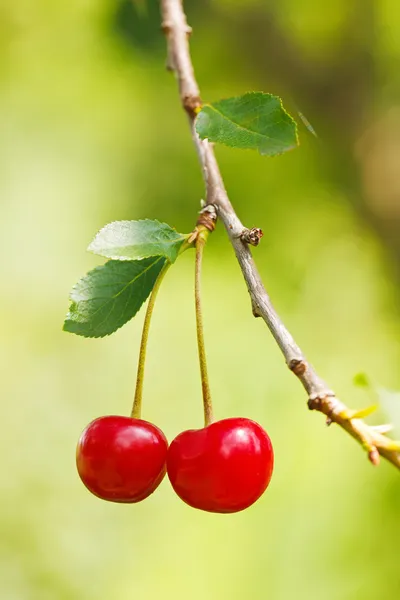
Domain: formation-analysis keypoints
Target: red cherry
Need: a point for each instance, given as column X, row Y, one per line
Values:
column 121, row 459
column 222, row 468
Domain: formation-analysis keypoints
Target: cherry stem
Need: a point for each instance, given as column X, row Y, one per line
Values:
column 137, row 403
column 208, row 412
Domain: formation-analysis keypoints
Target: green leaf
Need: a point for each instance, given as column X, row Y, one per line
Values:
column 390, row 403
column 109, row 296
column 361, row 380
column 254, row 121
column 134, row 240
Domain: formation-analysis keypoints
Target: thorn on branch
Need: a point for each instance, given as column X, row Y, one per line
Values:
column 252, row 236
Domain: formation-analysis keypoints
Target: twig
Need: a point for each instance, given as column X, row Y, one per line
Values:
column 320, row 397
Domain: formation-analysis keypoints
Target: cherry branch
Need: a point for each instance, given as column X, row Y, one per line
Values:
column 320, row 397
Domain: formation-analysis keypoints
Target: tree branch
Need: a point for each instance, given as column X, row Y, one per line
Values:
column 320, row 397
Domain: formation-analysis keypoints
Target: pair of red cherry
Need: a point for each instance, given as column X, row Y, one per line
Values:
column 224, row 467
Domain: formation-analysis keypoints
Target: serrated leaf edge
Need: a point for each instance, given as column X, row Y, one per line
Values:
column 293, row 121
column 184, row 236
column 97, row 269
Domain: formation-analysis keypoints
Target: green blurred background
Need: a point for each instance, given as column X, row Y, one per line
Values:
column 92, row 131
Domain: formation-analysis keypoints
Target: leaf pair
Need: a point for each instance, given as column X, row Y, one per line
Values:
column 110, row 295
